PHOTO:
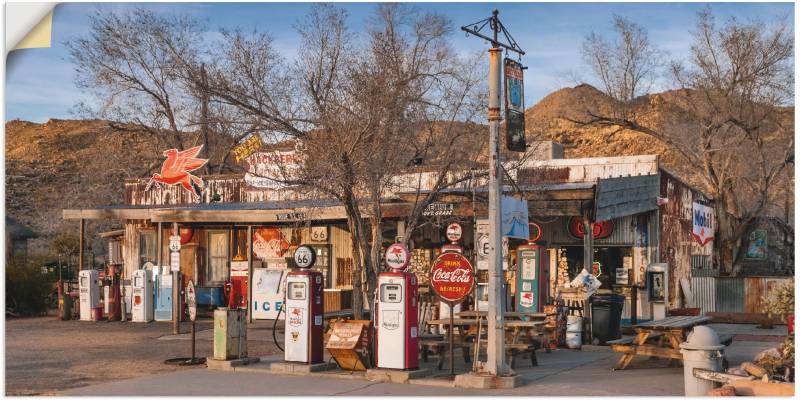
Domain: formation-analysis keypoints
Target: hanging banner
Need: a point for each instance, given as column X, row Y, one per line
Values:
column 702, row 223
column 515, row 217
column 515, row 106
column 271, row 169
column 175, row 171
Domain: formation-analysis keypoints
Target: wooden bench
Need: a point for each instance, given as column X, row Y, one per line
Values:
column 441, row 349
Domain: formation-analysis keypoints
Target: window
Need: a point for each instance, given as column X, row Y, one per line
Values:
column 217, row 268
column 147, row 248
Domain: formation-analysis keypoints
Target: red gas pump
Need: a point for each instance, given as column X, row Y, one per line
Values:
column 396, row 313
column 304, row 310
column 239, row 283
column 115, row 307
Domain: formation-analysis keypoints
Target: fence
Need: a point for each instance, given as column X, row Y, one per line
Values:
column 732, row 294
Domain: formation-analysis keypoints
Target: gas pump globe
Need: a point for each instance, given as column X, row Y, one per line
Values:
column 396, row 317
column 304, row 308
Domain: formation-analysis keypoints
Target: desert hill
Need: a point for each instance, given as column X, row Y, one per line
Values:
column 83, row 163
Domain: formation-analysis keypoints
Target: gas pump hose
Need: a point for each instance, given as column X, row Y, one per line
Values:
column 275, row 325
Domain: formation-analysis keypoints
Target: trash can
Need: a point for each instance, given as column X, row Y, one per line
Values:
column 702, row 349
column 606, row 315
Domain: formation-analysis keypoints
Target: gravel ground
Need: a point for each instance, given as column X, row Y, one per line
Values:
column 45, row 355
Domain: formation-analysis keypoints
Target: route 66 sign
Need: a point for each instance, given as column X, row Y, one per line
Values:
column 174, row 243
column 305, row 257
column 319, row 234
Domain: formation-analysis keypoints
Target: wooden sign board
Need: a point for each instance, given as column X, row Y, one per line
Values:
column 348, row 344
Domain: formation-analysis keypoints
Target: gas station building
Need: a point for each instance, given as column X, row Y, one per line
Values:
column 245, row 236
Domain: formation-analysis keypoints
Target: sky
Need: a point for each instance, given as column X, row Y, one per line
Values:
column 40, row 82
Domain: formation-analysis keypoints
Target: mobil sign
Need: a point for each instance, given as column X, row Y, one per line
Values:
column 703, row 224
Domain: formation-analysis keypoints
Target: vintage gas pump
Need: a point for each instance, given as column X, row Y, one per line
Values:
column 396, row 313
column 532, row 272
column 238, row 285
column 304, row 308
column 89, row 293
column 142, row 298
column 657, row 289
column 163, row 295
column 113, row 304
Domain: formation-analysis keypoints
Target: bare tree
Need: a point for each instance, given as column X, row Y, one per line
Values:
column 728, row 119
column 132, row 63
column 627, row 67
column 363, row 108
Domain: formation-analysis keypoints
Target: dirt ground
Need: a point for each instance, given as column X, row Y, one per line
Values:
column 45, row 355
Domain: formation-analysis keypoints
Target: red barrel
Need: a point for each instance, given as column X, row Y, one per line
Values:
column 97, row 314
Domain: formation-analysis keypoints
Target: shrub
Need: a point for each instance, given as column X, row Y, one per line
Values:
column 26, row 287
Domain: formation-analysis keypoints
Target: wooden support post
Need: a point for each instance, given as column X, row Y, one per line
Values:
column 81, row 245
column 249, row 273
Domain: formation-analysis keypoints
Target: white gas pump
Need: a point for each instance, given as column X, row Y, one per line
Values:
column 89, row 293
column 142, row 298
column 304, row 308
column 396, row 313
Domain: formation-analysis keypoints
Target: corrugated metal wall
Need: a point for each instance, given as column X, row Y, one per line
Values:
column 730, row 295
column 704, row 290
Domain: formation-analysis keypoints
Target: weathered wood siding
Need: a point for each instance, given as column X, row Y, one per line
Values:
column 229, row 187
column 676, row 242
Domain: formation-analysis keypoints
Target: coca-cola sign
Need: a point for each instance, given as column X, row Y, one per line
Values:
column 452, row 277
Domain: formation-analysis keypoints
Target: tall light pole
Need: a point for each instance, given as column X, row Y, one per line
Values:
column 495, row 351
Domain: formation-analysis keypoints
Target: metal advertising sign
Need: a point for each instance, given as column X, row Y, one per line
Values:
column 702, row 223
column 271, row 169
column 438, row 209
column 397, row 256
column 175, row 171
column 515, row 106
column 175, row 261
column 600, row 229
column 247, row 147
column 454, row 232
column 451, row 277
column 191, row 300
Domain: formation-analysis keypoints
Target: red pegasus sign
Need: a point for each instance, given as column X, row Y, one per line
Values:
column 175, row 170
column 451, row 277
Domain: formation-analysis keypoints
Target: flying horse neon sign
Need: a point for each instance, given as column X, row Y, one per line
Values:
column 175, row 170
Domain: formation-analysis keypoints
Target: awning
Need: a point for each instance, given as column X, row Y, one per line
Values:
column 256, row 212
column 624, row 196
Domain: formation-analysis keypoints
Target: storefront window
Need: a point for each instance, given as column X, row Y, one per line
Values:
column 217, row 268
column 147, row 248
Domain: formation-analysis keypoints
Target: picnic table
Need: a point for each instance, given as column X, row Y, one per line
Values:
column 658, row 339
column 521, row 337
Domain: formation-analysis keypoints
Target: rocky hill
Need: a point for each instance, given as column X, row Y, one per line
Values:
column 83, row 163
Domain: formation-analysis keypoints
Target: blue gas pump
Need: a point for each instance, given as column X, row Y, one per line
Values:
column 163, row 297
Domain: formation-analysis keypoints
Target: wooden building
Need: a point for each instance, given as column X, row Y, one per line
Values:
column 648, row 211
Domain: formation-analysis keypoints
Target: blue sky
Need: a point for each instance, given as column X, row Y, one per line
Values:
column 39, row 82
